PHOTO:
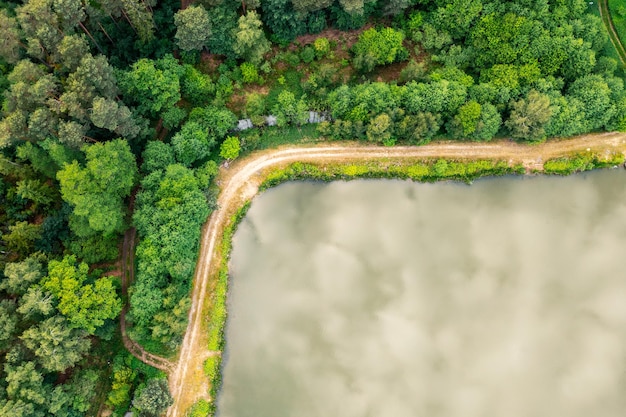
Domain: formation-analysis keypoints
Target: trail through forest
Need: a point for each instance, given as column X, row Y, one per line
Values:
column 240, row 182
column 128, row 273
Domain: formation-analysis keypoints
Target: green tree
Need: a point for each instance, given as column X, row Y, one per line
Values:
column 196, row 86
column 529, row 117
column 289, row 110
column 256, row 108
column 8, row 323
column 55, row 344
column 419, row 129
column 19, row 276
column 250, row 41
column 157, row 155
column 192, row 143
column 594, row 93
column 22, row 236
column 25, row 382
column 153, row 399
column 140, row 18
column 86, row 306
column 71, row 51
column 153, row 85
column 11, row 39
column 476, row 122
column 19, row 408
column 380, row 129
column 96, row 191
column 193, row 28
column 110, row 115
column 38, row 192
column 217, row 121
column 380, row 47
column 230, row 148
column 36, row 302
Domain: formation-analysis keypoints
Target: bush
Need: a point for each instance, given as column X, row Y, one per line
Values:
column 249, row 73
column 202, row 408
column 422, row 171
column 414, row 71
column 230, row 148
column 321, row 47
column 382, row 47
column 307, row 54
column 581, row 162
column 292, row 59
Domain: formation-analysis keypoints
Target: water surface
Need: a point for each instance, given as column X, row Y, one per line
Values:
column 506, row 298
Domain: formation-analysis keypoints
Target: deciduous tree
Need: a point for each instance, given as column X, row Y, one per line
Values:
column 96, row 191
column 250, row 41
column 529, row 117
column 86, row 306
column 55, row 344
column 193, row 28
column 230, row 148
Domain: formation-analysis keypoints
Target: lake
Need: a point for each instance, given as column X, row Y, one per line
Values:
column 389, row 299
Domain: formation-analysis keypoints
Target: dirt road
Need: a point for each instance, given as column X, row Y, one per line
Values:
column 241, row 180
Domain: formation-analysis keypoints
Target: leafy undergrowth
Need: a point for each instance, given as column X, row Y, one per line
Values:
column 426, row 171
column 582, row 162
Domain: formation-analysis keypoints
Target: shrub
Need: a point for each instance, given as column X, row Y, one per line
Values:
column 382, row 47
column 581, row 162
column 307, row 54
column 230, row 148
column 321, row 47
column 202, row 408
column 292, row 59
column 414, row 71
column 249, row 73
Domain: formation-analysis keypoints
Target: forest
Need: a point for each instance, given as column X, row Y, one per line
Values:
column 118, row 113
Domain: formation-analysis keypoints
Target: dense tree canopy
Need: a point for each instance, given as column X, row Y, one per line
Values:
column 91, row 89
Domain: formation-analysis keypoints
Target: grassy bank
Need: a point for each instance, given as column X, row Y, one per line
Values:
column 424, row 171
column 217, row 317
column 582, row 162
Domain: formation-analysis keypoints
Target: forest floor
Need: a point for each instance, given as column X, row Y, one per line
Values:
column 240, row 181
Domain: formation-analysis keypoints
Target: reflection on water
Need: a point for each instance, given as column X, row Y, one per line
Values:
column 506, row 298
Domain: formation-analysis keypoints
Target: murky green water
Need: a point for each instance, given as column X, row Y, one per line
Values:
column 506, row 298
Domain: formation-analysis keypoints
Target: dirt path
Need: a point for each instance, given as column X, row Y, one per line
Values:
column 241, row 180
column 603, row 5
column 128, row 272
